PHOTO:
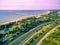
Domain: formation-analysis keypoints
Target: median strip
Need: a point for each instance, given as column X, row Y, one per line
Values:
column 14, row 41
column 50, row 35
column 37, row 34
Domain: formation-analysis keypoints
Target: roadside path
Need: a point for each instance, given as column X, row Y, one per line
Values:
column 39, row 43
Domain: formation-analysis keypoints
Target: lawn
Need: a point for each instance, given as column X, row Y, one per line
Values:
column 53, row 38
column 37, row 34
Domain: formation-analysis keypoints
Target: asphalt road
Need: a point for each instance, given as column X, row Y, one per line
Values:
column 27, row 36
column 41, row 36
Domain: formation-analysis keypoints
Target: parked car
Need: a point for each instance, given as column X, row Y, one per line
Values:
column 3, row 41
column 11, row 39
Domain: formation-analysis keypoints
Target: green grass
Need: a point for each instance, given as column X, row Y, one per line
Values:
column 53, row 38
column 37, row 34
column 14, row 41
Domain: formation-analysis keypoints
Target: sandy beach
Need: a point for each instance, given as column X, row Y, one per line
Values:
column 12, row 19
column 19, row 18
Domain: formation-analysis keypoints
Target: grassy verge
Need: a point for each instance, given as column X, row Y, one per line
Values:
column 53, row 38
column 37, row 34
column 14, row 41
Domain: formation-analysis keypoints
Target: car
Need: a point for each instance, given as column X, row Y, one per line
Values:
column 11, row 39
column 14, row 35
column 3, row 41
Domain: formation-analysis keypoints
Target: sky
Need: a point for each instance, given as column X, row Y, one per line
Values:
column 29, row 4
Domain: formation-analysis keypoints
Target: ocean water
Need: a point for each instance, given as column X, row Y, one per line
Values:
column 6, row 15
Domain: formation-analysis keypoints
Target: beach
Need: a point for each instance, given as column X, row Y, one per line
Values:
column 19, row 18
column 7, row 16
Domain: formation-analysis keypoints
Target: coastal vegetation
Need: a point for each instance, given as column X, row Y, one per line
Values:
column 15, row 28
column 53, row 38
column 12, row 29
column 39, row 33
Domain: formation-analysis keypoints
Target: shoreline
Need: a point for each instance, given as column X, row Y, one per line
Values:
column 23, row 17
column 19, row 18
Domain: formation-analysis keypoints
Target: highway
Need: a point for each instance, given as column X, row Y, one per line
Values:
column 41, row 36
column 27, row 36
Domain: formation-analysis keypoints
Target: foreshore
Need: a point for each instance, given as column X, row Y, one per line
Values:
column 23, row 17
column 19, row 18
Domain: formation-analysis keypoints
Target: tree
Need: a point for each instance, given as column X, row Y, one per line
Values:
column 53, row 15
column 2, row 27
column 1, row 38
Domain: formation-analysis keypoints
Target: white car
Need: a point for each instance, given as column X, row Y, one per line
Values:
column 11, row 39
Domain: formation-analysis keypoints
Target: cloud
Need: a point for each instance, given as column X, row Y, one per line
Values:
column 29, row 4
